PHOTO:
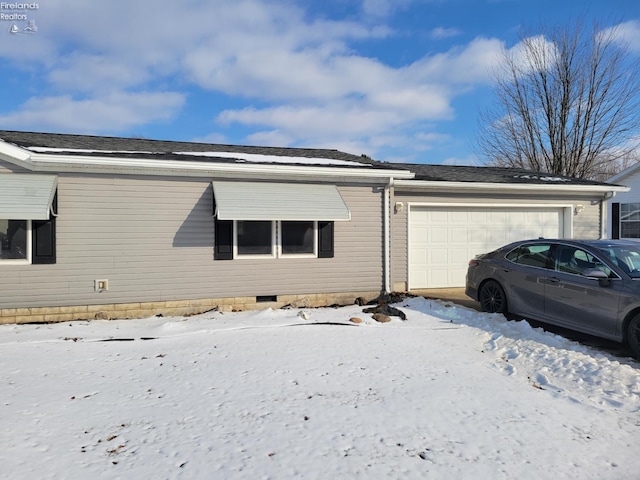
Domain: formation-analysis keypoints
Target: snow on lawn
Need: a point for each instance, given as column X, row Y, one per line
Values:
column 448, row 393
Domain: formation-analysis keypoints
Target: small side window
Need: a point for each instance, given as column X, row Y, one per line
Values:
column 533, row 255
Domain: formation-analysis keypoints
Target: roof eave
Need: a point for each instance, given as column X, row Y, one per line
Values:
column 624, row 173
column 15, row 155
column 506, row 187
column 133, row 166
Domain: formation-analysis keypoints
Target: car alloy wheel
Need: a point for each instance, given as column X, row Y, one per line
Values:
column 633, row 336
column 492, row 298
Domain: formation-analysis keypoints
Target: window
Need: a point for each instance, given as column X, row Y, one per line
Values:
column 625, row 257
column 630, row 220
column 298, row 237
column 535, row 255
column 15, row 242
column 573, row 260
column 254, row 238
column 28, row 206
column 273, row 239
column 28, row 241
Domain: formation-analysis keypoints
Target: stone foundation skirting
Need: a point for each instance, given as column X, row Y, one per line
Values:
column 175, row 307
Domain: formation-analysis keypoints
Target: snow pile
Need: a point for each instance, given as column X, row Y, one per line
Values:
column 449, row 392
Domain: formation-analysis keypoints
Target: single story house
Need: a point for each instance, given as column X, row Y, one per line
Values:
column 106, row 227
column 623, row 211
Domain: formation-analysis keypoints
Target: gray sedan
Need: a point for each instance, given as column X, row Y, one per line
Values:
column 591, row 286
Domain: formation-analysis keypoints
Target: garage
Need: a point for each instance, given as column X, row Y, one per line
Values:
column 442, row 239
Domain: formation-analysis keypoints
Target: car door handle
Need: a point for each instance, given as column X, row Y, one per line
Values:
column 553, row 280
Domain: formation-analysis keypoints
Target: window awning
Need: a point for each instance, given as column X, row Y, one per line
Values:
column 278, row 201
column 26, row 196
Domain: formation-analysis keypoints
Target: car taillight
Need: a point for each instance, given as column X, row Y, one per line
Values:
column 473, row 262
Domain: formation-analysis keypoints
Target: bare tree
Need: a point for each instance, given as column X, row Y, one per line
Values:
column 607, row 169
column 566, row 103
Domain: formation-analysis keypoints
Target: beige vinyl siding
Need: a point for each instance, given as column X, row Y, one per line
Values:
column 152, row 238
column 586, row 224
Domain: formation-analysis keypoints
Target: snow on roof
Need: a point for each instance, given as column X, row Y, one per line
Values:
column 543, row 178
column 242, row 157
column 259, row 158
column 81, row 150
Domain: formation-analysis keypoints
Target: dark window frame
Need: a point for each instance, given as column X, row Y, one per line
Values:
column 225, row 239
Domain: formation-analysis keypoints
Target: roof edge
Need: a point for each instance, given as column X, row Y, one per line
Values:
column 95, row 164
column 466, row 186
column 624, row 173
column 15, row 155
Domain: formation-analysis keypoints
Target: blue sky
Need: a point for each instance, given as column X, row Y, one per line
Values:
column 398, row 80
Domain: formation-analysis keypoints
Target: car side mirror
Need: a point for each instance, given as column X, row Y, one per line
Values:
column 602, row 277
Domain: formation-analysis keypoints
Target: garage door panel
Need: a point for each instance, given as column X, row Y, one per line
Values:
column 454, row 235
column 459, row 217
column 499, row 217
column 439, row 235
column 438, row 256
column 437, row 217
column 458, row 233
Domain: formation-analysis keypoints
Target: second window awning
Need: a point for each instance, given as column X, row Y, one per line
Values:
column 278, row 201
column 26, row 196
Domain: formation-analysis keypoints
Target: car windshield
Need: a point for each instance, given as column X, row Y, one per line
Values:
column 625, row 256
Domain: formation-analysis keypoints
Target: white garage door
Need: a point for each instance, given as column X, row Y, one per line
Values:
column 442, row 240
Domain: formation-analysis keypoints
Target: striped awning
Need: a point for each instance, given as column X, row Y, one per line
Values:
column 26, row 196
column 278, row 201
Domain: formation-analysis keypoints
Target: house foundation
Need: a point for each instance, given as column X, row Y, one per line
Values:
column 172, row 308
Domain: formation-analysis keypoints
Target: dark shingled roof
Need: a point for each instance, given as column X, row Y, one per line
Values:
column 160, row 149
column 165, row 150
column 459, row 173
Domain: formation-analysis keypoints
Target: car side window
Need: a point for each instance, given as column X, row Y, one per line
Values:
column 568, row 259
column 533, row 255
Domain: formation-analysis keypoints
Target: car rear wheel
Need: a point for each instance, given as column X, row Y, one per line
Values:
column 633, row 336
column 492, row 298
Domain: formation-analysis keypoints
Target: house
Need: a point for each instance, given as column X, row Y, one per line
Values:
column 105, row 227
column 622, row 210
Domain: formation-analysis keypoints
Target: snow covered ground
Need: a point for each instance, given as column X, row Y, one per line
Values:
column 449, row 393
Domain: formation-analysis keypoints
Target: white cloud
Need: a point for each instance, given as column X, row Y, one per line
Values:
column 628, row 33
column 115, row 112
column 442, row 32
column 383, row 8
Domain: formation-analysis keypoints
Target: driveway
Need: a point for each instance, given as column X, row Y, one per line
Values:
column 455, row 295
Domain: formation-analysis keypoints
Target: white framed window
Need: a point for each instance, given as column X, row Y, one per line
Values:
column 298, row 239
column 15, row 242
column 275, row 239
column 254, row 238
column 630, row 220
